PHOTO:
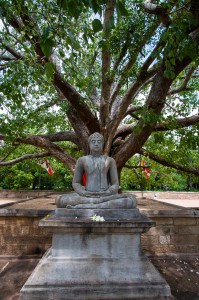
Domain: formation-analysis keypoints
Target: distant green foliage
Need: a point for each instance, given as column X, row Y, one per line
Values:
column 34, row 177
column 29, row 175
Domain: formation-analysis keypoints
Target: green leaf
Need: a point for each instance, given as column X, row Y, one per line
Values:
column 46, row 47
column 94, row 5
column 74, row 9
column 47, row 43
column 85, row 38
column 172, row 60
column 50, row 69
column 61, row 52
column 103, row 44
column 72, row 41
column 122, row 11
column 97, row 25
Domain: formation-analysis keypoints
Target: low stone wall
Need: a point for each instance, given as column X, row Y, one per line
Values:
column 168, row 195
column 176, row 231
column 21, row 194
column 21, row 235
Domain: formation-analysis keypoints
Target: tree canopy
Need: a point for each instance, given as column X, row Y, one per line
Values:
column 127, row 69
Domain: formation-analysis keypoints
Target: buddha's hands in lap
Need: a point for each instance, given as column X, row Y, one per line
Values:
column 80, row 190
column 108, row 192
column 84, row 193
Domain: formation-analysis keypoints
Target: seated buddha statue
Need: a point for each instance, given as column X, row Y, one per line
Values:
column 102, row 184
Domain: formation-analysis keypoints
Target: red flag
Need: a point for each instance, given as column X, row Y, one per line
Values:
column 47, row 166
column 146, row 170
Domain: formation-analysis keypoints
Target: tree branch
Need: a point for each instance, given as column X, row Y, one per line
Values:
column 135, row 167
column 144, row 77
column 157, row 10
column 124, row 103
column 17, row 55
column 106, row 60
column 177, row 124
column 122, row 54
column 168, row 163
column 6, row 58
column 123, row 131
column 77, row 102
column 185, row 82
column 81, row 130
column 62, row 136
column 132, row 109
column 154, row 103
column 52, row 149
column 130, row 63
column 126, row 129
column 22, row 158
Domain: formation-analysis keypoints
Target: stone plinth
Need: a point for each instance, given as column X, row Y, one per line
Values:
column 95, row 260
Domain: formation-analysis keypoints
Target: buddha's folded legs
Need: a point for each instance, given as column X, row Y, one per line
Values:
column 116, row 204
column 70, row 199
column 74, row 200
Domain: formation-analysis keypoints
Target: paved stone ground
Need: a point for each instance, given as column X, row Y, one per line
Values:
column 5, row 201
column 181, row 272
column 182, row 199
column 48, row 203
column 191, row 203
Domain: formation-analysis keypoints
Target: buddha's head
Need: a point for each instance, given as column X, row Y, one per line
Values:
column 96, row 142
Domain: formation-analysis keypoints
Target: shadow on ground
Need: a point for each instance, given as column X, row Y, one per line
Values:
column 182, row 274
column 13, row 275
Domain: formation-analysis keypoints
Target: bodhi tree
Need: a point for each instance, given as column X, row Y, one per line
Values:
column 127, row 69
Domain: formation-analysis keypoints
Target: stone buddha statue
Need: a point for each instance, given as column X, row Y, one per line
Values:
column 101, row 189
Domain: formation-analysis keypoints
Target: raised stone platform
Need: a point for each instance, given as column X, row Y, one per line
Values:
column 95, row 260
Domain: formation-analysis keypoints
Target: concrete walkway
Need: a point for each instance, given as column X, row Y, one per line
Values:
column 188, row 203
column 181, row 199
column 6, row 200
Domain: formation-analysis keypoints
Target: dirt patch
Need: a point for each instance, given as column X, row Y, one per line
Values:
column 13, row 275
column 181, row 274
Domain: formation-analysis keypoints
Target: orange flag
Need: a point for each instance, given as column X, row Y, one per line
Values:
column 146, row 170
column 47, row 166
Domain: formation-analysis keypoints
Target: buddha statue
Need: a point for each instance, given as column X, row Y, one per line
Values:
column 101, row 189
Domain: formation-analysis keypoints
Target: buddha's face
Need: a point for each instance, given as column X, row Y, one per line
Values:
column 96, row 145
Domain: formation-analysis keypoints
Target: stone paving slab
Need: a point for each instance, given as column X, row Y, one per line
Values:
column 188, row 203
column 5, row 201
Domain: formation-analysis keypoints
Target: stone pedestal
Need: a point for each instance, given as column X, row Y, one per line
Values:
column 95, row 260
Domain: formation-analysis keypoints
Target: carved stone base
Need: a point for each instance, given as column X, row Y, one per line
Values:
column 95, row 260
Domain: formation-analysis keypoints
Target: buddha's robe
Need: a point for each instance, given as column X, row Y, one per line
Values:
column 101, row 189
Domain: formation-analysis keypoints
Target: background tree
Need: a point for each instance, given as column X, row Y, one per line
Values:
column 127, row 69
